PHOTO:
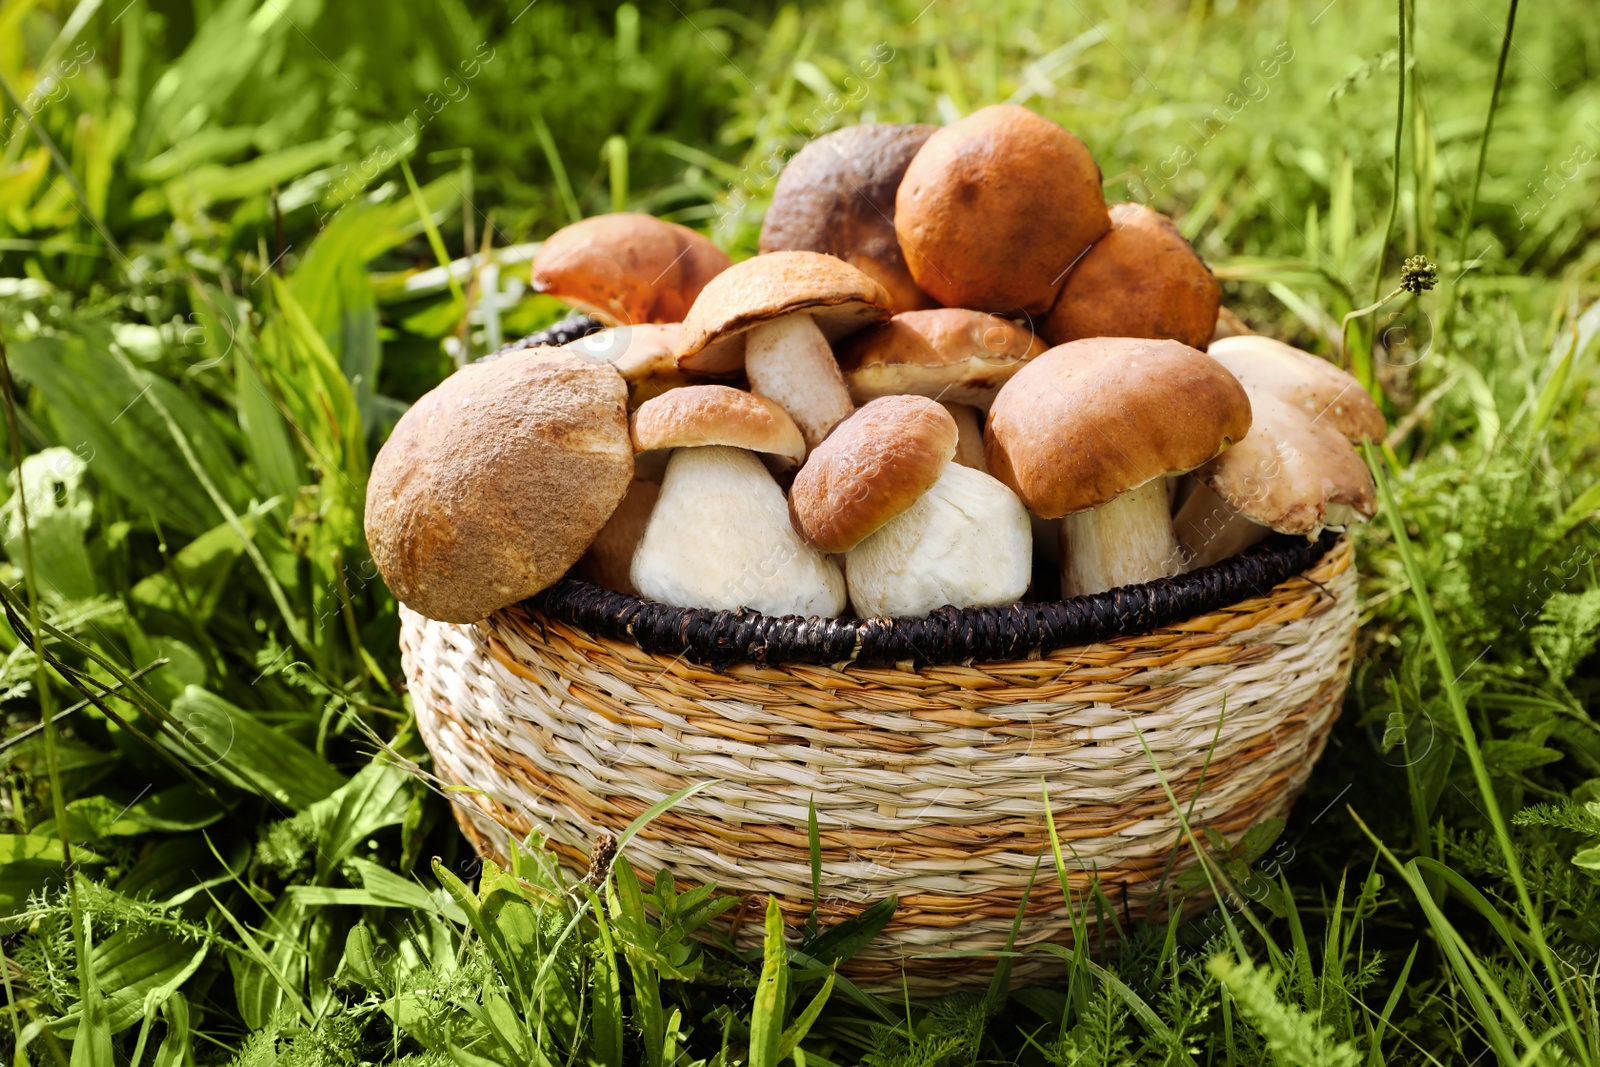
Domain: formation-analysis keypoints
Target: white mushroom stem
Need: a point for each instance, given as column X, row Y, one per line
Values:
column 788, row 361
column 965, row 542
column 719, row 538
column 1125, row 542
column 611, row 556
column 969, row 446
column 1209, row 530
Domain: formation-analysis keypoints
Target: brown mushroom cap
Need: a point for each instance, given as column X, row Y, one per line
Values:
column 494, row 483
column 642, row 354
column 838, row 296
column 1289, row 470
column 627, row 268
column 1314, row 385
column 836, row 195
column 949, row 354
column 1090, row 420
column 995, row 209
column 1140, row 280
column 697, row 415
column 874, row 465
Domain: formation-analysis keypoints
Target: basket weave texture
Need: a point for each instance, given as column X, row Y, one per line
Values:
column 927, row 779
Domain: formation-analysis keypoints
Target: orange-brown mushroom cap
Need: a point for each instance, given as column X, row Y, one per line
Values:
column 1140, row 280
column 1090, row 420
column 995, row 209
column 874, row 465
column 1314, row 385
column 697, row 415
column 495, row 483
column 836, row 195
column 948, row 354
column 627, row 268
column 840, row 298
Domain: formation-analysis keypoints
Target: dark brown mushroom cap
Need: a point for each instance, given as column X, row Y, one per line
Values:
column 995, row 209
column 1290, row 471
column 1140, row 280
column 1090, row 420
column 495, row 483
column 699, row 415
column 836, row 195
column 840, row 298
column 948, row 354
column 874, row 465
column 1314, row 385
column 627, row 268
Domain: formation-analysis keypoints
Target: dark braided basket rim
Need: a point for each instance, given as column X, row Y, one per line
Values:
column 948, row 635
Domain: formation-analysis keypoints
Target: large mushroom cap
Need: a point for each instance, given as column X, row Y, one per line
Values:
column 1314, row 385
column 837, row 196
column 698, row 415
column 874, row 466
column 1292, row 472
column 948, row 354
column 840, row 298
column 627, row 268
column 995, row 209
column 642, row 354
column 494, row 483
column 1090, row 420
column 1140, row 280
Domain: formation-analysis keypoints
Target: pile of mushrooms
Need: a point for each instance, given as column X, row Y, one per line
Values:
column 952, row 376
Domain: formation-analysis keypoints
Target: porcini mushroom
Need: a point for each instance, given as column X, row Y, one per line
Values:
column 995, row 209
column 719, row 536
column 969, row 439
column 494, row 483
column 784, row 309
column 626, row 269
column 1089, row 430
column 836, row 195
column 920, row 531
column 1140, row 280
column 1292, row 473
column 642, row 354
column 1315, row 386
column 947, row 354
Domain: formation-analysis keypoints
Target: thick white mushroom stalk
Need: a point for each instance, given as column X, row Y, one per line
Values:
column 1124, row 542
column 720, row 538
column 788, row 360
column 966, row 541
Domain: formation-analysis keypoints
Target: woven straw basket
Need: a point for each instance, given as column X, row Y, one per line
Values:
column 924, row 744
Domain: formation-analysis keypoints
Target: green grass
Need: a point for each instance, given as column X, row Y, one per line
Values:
column 219, row 237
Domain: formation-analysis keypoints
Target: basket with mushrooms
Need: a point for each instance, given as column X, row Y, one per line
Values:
column 945, row 504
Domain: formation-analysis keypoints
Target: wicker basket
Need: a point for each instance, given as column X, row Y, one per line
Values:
column 924, row 744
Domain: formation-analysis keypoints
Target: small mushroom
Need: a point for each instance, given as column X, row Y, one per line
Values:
column 1140, row 280
column 719, row 536
column 626, row 269
column 920, row 531
column 1090, row 430
column 1291, row 473
column 996, row 208
column 611, row 556
column 836, row 195
column 1313, row 385
column 944, row 354
column 777, row 314
column 494, row 483
column 642, row 354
